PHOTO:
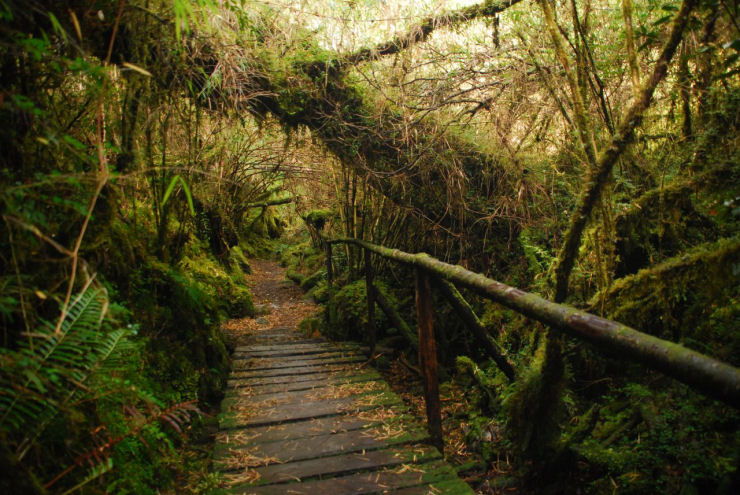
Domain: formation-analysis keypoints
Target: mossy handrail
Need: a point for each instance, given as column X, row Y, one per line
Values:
column 705, row 374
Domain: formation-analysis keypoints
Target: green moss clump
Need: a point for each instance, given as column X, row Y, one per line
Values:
column 312, row 280
column 533, row 406
column 294, row 276
column 688, row 298
column 320, row 292
column 317, row 218
column 239, row 260
column 312, row 325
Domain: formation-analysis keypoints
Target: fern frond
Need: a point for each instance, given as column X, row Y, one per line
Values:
column 49, row 357
column 49, row 373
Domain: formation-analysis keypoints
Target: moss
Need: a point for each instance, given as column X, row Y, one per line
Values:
column 294, row 276
column 310, row 281
column 311, row 326
column 239, row 260
column 640, row 431
column 317, row 218
column 348, row 312
column 688, row 298
column 533, row 407
column 320, row 292
column 483, row 388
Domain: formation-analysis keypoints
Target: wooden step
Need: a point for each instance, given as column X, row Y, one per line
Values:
column 248, row 415
column 420, row 475
column 232, row 456
column 343, row 464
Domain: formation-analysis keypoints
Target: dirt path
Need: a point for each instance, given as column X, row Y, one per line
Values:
column 280, row 303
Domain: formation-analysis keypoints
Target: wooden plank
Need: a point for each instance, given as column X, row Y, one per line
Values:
column 300, row 355
column 278, row 363
column 278, row 340
column 302, row 382
column 344, row 464
column 297, row 370
column 319, row 344
column 328, row 391
column 288, row 351
column 283, row 379
column 359, row 391
column 236, row 456
column 247, row 415
column 356, row 484
column 295, row 430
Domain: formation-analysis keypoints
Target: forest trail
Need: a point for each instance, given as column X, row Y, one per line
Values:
column 304, row 416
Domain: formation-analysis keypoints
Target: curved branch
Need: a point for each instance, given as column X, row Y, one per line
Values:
column 421, row 31
column 623, row 136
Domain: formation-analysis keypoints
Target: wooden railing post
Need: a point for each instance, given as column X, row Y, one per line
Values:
column 329, row 273
column 428, row 358
column 370, row 292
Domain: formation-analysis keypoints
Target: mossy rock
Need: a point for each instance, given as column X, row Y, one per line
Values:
column 312, row 280
column 237, row 258
column 317, row 218
column 294, row 276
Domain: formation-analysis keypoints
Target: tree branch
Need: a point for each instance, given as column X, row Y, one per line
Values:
column 623, row 136
column 421, row 31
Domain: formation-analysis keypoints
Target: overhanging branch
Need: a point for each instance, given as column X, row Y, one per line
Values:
column 421, row 31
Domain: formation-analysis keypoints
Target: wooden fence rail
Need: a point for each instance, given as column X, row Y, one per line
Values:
column 707, row 375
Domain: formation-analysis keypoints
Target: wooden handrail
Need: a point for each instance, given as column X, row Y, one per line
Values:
column 707, row 375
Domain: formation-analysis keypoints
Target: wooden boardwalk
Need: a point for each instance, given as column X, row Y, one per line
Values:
column 306, row 416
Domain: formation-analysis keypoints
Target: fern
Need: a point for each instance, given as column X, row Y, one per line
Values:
column 49, row 370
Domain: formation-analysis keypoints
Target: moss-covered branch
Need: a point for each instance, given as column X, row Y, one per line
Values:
column 474, row 324
column 705, row 374
column 273, row 202
column 623, row 136
column 395, row 318
column 421, row 31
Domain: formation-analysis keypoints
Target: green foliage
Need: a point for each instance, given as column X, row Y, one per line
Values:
column 54, row 366
column 312, row 280
column 677, row 298
column 86, row 372
column 536, row 394
column 648, row 441
column 348, row 310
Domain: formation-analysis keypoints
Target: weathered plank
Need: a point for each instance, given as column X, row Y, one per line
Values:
column 296, row 347
column 301, row 382
column 360, row 483
column 344, row 464
column 330, row 389
column 257, row 364
column 328, row 444
column 296, row 430
column 294, row 370
column 287, row 379
column 253, row 415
